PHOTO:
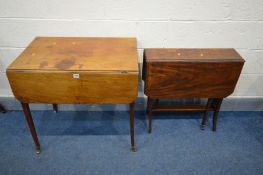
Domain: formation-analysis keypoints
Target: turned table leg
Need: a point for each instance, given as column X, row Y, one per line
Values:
column 55, row 108
column 31, row 126
column 133, row 146
column 208, row 105
column 149, row 105
column 215, row 116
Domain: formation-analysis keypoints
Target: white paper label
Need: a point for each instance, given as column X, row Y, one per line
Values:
column 75, row 75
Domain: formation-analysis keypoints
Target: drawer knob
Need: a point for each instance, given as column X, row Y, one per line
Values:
column 179, row 54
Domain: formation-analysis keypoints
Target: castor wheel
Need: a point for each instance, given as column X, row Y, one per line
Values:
column 38, row 150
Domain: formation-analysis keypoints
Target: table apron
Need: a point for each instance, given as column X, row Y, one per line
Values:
column 73, row 87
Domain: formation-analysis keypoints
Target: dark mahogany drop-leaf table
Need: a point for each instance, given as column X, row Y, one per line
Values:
column 190, row 73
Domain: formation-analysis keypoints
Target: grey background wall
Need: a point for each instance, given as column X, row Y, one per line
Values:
column 156, row 23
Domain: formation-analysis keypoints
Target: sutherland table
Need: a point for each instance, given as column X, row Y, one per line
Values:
column 190, row 73
column 71, row 70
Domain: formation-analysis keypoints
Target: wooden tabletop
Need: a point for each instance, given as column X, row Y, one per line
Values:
column 78, row 54
column 207, row 55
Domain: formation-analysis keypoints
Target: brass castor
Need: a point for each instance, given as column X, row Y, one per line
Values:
column 38, row 150
column 133, row 148
column 202, row 127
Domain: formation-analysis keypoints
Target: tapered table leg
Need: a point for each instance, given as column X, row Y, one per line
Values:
column 31, row 126
column 150, row 104
column 208, row 105
column 55, row 108
column 215, row 117
column 133, row 146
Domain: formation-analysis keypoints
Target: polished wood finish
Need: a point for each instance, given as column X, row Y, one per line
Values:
column 189, row 55
column 78, row 54
column 31, row 126
column 62, row 88
column 76, row 70
column 80, row 70
column 132, row 106
column 212, row 105
column 215, row 115
column 192, row 79
column 190, row 73
column 208, row 105
column 150, row 106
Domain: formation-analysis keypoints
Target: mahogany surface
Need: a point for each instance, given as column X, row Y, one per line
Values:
column 190, row 73
column 183, row 73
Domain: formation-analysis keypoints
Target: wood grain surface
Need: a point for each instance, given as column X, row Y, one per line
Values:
column 191, row 77
column 73, row 70
column 62, row 88
column 79, row 54
column 199, row 55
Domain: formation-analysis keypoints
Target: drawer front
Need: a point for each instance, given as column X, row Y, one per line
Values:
column 191, row 80
column 74, row 87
